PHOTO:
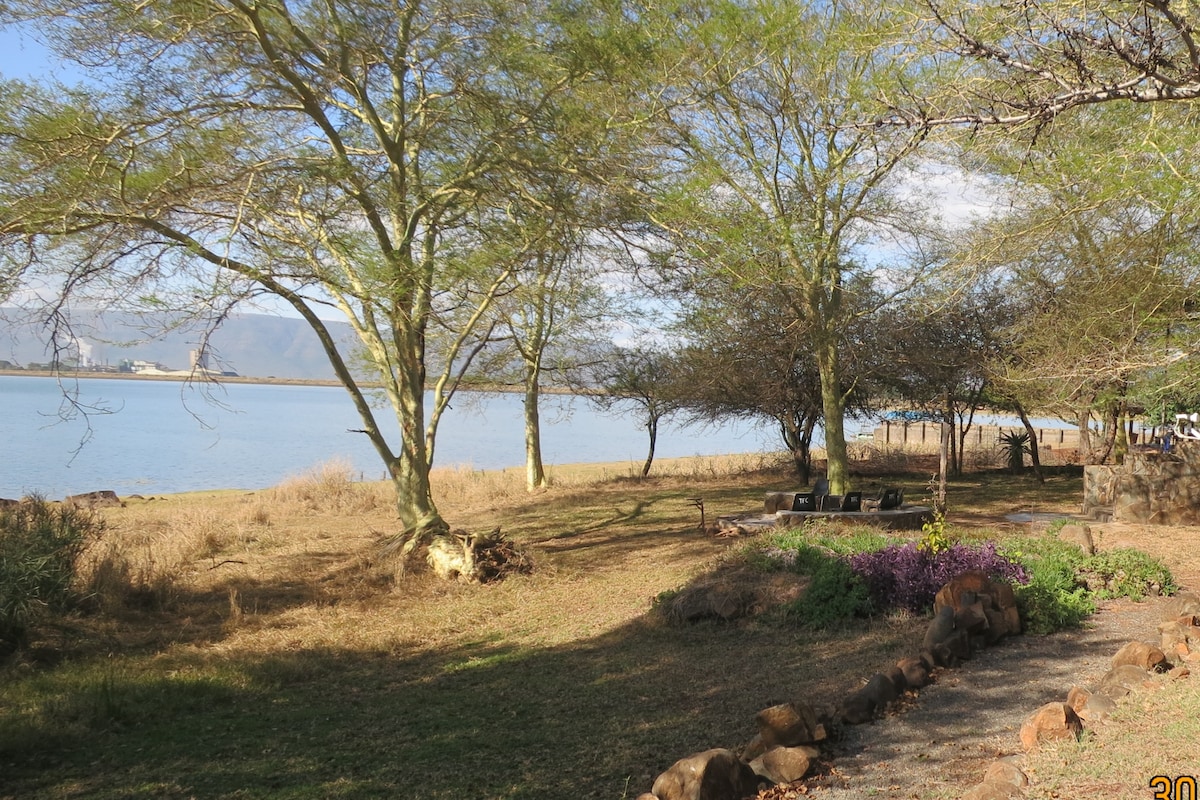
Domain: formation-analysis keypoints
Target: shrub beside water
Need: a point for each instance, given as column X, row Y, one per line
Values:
column 40, row 547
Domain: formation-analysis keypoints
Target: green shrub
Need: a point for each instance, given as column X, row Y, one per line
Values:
column 1126, row 572
column 1055, row 596
column 834, row 594
column 40, row 546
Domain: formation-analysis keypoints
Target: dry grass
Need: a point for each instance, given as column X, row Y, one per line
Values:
column 266, row 650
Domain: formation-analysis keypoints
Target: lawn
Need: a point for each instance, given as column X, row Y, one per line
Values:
column 254, row 645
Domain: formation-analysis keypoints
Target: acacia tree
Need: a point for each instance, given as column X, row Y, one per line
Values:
column 557, row 302
column 935, row 351
column 1100, row 249
column 1055, row 55
column 638, row 377
column 361, row 156
column 770, row 180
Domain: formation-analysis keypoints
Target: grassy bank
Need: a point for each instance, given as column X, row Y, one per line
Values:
column 252, row 644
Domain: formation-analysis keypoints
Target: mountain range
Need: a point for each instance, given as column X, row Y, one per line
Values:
column 251, row 345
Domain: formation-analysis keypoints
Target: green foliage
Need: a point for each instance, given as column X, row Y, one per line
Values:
column 1126, row 572
column 935, row 538
column 834, row 595
column 1016, row 445
column 40, row 545
column 1065, row 583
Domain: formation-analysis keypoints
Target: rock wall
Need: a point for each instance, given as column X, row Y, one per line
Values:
column 1151, row 487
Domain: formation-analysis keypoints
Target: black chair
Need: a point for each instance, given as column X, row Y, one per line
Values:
column 852, row 501
column 891, row 498
column 804, row 501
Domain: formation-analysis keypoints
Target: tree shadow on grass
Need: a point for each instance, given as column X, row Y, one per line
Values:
column 594, row 719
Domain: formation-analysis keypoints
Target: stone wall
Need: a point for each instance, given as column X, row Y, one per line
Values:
column 1151, row 487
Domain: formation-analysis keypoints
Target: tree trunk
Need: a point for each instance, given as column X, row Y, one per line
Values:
column 1033, row 443
column 799, row 444
column 837, row 468
column 419, row 516
column 535, row 472
column 652, row 431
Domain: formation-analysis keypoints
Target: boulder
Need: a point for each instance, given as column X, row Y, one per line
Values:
column 992, row 791
column 985, row 609
column 1120, row 681
column 106, row 498
column 789, row 724
column 963, row 590
column 778, row 501
column 1080, row 535
column 715, row 774
column 915, row 672
column 1006, row 770
column 1141, row 654
column 870, row 700
column 1097, row 708
column 784, row 764
column 940, row 629
column 1051, row 721
column 1181, row 605
column 1180, row 636
column 1077, row 697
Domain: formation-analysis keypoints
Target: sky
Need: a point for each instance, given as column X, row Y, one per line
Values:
column 21, row 56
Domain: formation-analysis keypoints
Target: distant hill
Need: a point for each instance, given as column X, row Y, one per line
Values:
column 252, row 345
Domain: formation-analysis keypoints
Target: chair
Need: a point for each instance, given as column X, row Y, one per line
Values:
column 889, row 499
column 820, row 487
column 804, row 501
column 852, row 501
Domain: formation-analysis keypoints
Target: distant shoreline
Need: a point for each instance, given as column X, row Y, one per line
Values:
column 270, row 381
column 135, row 376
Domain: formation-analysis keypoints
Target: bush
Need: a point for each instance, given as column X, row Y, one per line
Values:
column 40, row 546
column 834, row 594
column 907, row 576
column 1125, row 572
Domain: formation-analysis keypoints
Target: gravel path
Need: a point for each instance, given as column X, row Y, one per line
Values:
column 942, row 744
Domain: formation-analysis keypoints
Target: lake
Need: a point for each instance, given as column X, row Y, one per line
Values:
column 156, row 437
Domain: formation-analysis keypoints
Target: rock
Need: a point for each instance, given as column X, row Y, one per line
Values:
column 992, row 791
column 1006, row 770
column 962, row 591
column 715, row 774
column 1141, row 654
column 915, row 671
column 971, row 619
column 1179, row 636
column 1097, row 708
column 646, row 796
column 985, row 609
column 1079, row 535
column 1119, row 681
column 1051, row 721
column 870, row 700
column 940, row 629
column 788, row 725
column 1182, row 605
column 778, row 501
column 1077, row 697
column 784, row 764
column 105, row 498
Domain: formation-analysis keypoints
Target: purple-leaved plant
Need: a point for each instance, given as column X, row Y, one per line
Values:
column 904, row 576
